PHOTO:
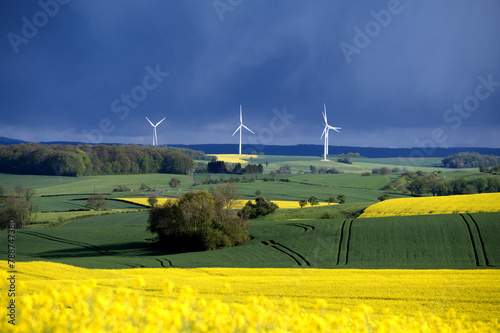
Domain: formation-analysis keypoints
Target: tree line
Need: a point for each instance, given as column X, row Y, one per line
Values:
column 223, row 167
column 470, row 160
column 87, row 160
column 419, row 183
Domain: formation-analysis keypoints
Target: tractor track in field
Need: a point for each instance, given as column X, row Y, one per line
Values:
column 67, row 241
column 306, row 227
column 344, row 238
column 476, row 240
column 162, row 264
column 297, row 257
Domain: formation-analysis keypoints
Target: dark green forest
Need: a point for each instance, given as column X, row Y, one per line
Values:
column 470, row 160
column 87, row 160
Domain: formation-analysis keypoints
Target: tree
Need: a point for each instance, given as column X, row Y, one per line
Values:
column 302, row 203
column 174, row 182
column 261, row 207
column 341, row 198
column 314, row 169
column 97, row 202
column 313, row 200
column 258, row 193
column 383, row 197
column 197, row 221
column 152, row 200
column 273, row 174
column 2, row 190
column 20, row 190
column 330, row 200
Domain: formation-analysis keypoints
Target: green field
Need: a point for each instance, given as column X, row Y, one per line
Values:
column 286, row 238
column 432, row 241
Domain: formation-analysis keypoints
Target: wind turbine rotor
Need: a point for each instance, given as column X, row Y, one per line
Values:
column 150, row 122
column 239, row 127
column 247, row 128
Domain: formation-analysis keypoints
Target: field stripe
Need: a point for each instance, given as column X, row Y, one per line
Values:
column 479, row 253
column 480, row 239
column 345, row 237
column 348, row 239
column 340, row 242
column 297, row 257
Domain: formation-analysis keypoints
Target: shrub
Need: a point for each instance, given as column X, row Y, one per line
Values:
column 152, row 200
column 174, row 182
column 327, row 215
column 341, row 198
column 261, row 207
column 96, row 202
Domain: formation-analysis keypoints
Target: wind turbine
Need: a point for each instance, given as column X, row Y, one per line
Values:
column 240, row 128
column 326, row 130
column 155, row 137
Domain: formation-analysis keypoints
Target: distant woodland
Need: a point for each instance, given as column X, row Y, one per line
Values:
column 86, row 160
column 471, row 160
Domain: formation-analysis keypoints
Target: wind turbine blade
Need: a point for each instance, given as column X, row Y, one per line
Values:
column 239, row 127
column 150, row 122
column 160, row 121
column 324, row 116
column 241, row 115
column 324, row 131
column 247, row 128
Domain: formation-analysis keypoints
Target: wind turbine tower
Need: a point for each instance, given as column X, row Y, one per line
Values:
column 325, row 132
column 155, row 137
column 240, row 128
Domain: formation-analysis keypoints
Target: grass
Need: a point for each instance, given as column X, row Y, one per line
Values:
column 432, row 241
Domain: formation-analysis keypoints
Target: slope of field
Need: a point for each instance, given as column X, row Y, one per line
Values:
column 453, row 204
column 53, row 295
column 454, row 241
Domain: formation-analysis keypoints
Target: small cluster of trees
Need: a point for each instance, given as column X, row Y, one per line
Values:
column 223, row 167
column 420, row 184
column 17, row 205
column 313, row 201
column 86, row 160
column 261, row 207
column 315, row 170
column 470, row 160
column 199, row 220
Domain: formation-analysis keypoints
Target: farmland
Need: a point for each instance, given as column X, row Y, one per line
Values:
column 425, row 257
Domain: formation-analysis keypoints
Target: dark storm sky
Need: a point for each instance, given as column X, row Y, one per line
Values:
column 392, row 73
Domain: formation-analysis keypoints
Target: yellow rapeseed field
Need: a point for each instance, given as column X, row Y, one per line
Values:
column 239, row 203
column 234, row 158
column 53, row 297
column 454, row 204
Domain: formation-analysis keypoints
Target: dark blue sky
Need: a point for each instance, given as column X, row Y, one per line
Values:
column 392, row 73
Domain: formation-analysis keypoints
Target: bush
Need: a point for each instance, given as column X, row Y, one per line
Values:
column 96, row 202
column 327, row 215
column 261, row 207
column 366, row 173
column 174, row 182
column 341, row 198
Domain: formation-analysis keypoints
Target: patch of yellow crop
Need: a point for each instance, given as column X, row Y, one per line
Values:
column 234, row 158
column 238, row 205
column 453, row 204
column 52, row 297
